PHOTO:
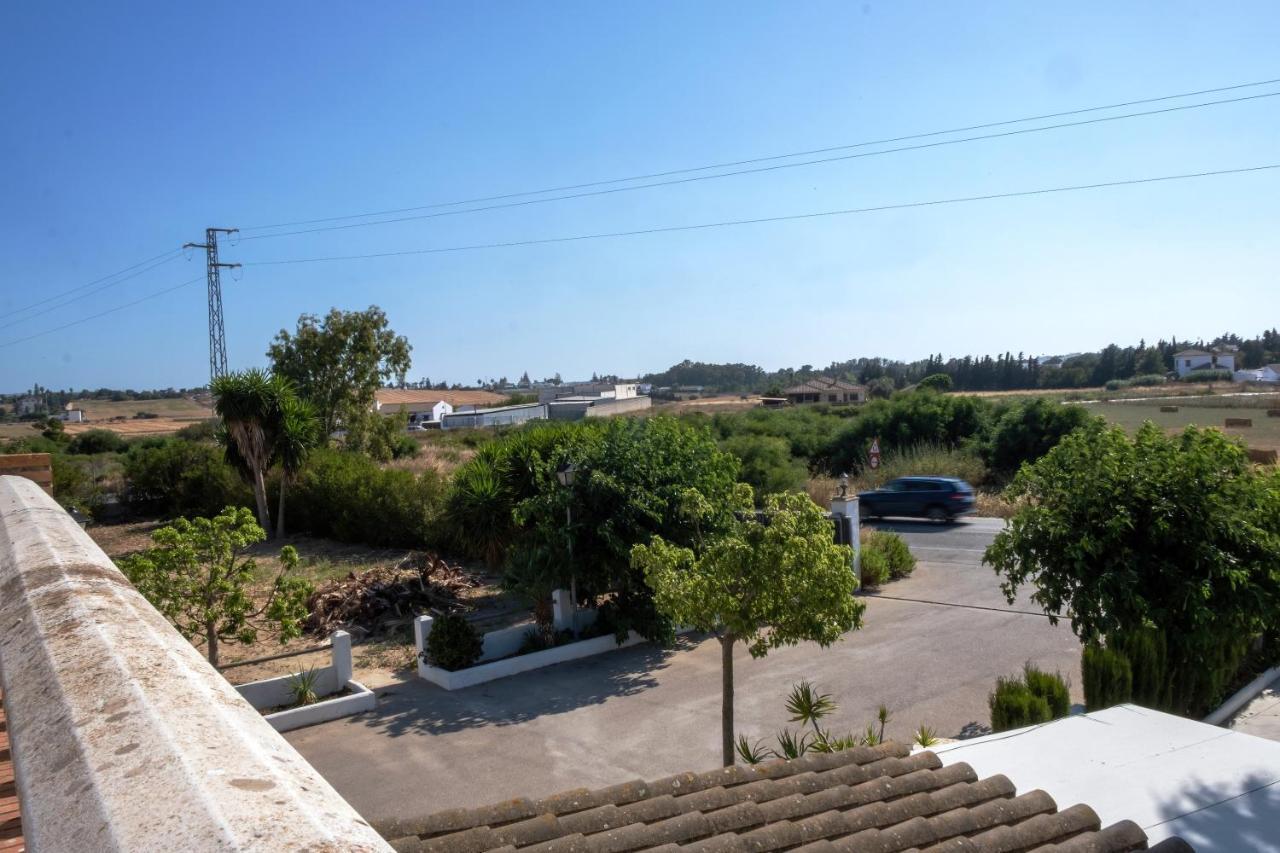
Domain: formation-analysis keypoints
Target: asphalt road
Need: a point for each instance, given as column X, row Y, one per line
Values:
column 931, row 649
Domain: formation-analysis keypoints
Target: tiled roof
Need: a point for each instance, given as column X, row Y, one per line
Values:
column 865, row 799
column 823, row 383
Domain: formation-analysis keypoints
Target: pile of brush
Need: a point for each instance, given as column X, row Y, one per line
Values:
column 387, row 598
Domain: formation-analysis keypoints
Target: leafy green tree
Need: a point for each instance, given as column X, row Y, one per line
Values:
column 1026, row 431
column 175, row 477
column 1179, row 534
column 198, row 573
column 97, row 441
column 339, row 362
column 768, row 583
column 937, row 382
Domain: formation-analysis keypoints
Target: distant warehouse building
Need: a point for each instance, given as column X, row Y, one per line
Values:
column 504, row 416
column 577, row 408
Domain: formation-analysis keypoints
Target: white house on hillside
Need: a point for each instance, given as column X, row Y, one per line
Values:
column 1199, row 359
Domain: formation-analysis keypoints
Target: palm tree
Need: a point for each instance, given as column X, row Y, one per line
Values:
column 296, row 433
column 248, row 404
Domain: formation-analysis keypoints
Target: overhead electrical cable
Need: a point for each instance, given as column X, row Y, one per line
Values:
column 163, row 258
column 756, row 170
column 60, row 305
column 187, row 283
column 772, row 157
column 666, row 229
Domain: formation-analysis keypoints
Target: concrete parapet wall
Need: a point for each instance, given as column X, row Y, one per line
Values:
column 123, row 737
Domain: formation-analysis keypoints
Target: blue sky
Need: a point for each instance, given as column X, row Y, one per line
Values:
column 129, row 128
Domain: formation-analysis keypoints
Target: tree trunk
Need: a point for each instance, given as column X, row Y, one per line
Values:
column 726, row 698
column 260, row 496
column 284, row 481
column 211, row 640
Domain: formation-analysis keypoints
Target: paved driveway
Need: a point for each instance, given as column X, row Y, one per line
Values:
column 645, row 713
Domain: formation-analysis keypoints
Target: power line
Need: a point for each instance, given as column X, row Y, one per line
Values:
column 86, row 295
column 759, row 169
column 765, row 219
column 770, row 158
column 170, row 255
column 187, row 283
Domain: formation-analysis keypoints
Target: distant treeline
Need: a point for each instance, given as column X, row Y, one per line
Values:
column 1003, row 372
column 55, row 399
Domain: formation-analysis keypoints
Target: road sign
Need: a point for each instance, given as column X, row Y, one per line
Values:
column 873, row 455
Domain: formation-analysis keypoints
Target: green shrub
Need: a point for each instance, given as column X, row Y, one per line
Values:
column 875, row 567
column 453, row 643
column 898, row 557
column 97, row 441
column 1206, row 376
column 767, row 464
column 199, row 431
column 1050, row 687
column 1148, row 655
column 170, row 477
column 1013, row 705
column 1146, row 380
column 936, row 381
column 1108, row 679
column 349, row 497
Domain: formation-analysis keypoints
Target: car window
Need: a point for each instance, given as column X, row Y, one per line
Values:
column 921, row 486
column 895, row 486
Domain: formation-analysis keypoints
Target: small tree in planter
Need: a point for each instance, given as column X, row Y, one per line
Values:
column 766, row 583
column 197, row 575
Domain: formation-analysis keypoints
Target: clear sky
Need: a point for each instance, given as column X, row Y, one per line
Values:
column 130, row 127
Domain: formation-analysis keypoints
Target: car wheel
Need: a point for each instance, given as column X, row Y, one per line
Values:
column 938, row 515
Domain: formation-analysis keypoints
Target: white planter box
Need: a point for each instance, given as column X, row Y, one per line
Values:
column 274, row 692
column 480, row 673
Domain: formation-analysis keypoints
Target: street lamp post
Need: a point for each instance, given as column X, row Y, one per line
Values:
column 565, row 474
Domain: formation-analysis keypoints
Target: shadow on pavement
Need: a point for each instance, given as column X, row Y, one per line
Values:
column 416, row 706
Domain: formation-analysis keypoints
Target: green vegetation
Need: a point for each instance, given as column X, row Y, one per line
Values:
column 1034, row 697
column 770, row 583
column 453, row 643
column 349, row 497
column 1108, row 679
column 302, row 687
column 767, row 465
column 936, row 382
column 172, row 477
column 898, row 560
column 1174, row 534
column 197, row 574
column 631, row 475
column 337, row 365
column 97, row 441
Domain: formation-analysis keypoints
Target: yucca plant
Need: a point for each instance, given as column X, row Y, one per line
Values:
column 752, row 753
column 302, row 687
column 807, row 706
column 925, row 736
column 791, row 745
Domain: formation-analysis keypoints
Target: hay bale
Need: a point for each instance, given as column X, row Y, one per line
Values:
column 1262, row 457
column 1168, row 408
column 1238, row 423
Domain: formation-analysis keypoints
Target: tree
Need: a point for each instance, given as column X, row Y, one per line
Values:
column 249, row 404
column 937, row 381
column 1177, row 534
column 767, row 464
column 769, row 582
column 338, row 363
column 198, row 576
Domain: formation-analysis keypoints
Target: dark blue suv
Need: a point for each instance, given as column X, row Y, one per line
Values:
column 935, row 498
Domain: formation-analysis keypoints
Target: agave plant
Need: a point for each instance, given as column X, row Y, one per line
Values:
column 791, row 745
column 752, row 753
column 807, row 706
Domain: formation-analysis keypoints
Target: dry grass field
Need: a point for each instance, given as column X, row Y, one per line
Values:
column 177, row 408
column 710, row 405
column 1207, row 411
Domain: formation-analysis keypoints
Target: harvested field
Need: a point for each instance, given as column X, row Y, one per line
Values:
column 1230, row 414
column 177, row 408
column 133, row 428
column 710, row 405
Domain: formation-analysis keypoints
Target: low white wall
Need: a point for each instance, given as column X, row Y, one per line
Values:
column 275, row 692
column 480, row 673
column 359, row 700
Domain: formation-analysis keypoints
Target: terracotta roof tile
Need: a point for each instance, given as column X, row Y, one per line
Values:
column 866, row 799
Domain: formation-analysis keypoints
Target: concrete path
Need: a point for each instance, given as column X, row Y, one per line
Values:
column 1261, row 717
column 645, row 713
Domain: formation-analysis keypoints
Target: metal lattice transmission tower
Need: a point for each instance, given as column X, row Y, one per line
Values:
column 217, row 330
